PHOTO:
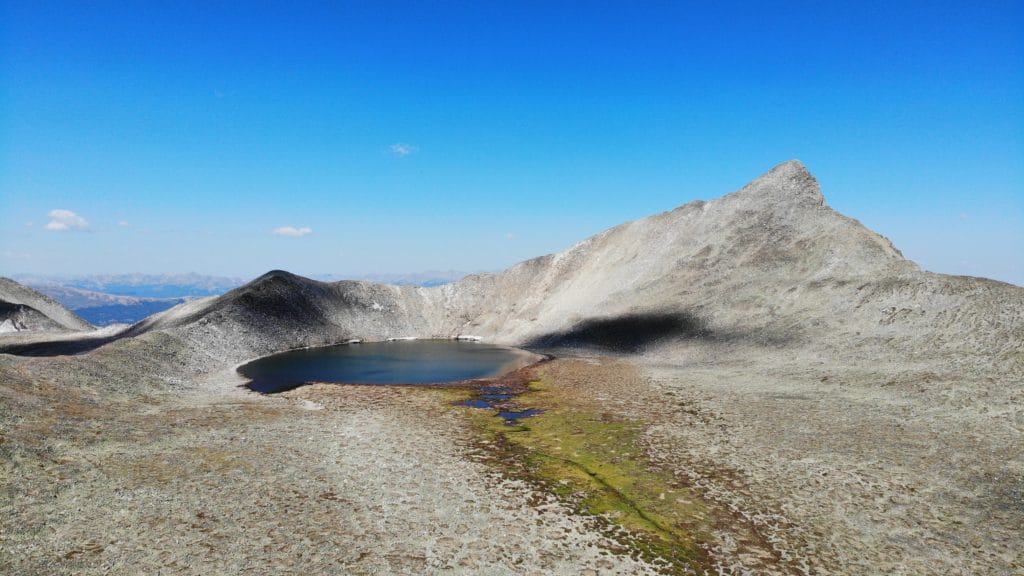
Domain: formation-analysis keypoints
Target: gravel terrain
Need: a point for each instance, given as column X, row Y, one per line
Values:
column 325, row 479
column 841, row 470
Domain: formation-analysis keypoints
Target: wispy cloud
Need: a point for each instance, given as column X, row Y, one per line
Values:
column 292, row 231
column 9, row 254
column 66, row 220
column 402, row 150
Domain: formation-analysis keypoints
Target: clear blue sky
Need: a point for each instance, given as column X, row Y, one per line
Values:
column 393, row 137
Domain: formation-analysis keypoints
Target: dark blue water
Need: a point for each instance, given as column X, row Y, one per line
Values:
column 403, row 362
column 511, row 416
column 502, row 400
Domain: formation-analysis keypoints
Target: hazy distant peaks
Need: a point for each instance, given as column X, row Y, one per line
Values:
column 428, row 278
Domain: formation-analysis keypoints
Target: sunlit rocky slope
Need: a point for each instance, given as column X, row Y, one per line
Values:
column 770, row 265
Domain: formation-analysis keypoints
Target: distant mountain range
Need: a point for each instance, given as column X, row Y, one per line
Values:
column 426, row 279
column 105, row 299
column 103, row 309
column 77, row 298
column 141, row 285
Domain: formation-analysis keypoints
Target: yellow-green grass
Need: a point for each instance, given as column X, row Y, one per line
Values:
column 595, row 461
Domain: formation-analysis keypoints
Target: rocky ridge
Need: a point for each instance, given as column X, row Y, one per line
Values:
column 769, row 265
column 24, row 309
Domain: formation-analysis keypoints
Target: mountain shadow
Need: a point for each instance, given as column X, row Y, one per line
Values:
column 626, row 333
column 58, row 347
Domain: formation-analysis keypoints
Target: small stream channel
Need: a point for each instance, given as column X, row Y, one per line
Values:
column 502, row 400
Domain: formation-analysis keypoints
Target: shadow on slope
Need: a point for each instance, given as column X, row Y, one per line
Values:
column 25, row 318
column 58, row 346
column 276, row 302
column 626, row 333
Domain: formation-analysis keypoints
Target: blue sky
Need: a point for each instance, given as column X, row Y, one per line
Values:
column 400, row 137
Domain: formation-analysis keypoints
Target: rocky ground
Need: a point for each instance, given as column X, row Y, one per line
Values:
column 841, row 470
column 824, row 469
column 326, row 479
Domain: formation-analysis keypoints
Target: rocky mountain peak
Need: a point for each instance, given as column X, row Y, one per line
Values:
column 789, row 183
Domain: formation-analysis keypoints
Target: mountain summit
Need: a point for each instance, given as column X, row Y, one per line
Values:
column 789, row 182
column 769, row 265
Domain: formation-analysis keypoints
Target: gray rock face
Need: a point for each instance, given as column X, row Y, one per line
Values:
column 769, row 265
column 24, row 309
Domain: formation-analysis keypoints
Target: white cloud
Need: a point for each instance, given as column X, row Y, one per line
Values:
column 292, row 231
column 402, row 150
column 123, row 223
column 66, row 220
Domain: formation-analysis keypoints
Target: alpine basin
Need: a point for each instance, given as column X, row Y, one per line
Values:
column 401, row 362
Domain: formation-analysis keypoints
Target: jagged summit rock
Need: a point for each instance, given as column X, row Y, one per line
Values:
column 788, row 183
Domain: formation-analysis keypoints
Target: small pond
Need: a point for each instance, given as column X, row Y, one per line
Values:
column 401, row 362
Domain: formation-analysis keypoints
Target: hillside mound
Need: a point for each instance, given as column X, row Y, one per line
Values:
column 24, row 309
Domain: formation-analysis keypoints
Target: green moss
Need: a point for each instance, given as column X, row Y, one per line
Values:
column 595, row 462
